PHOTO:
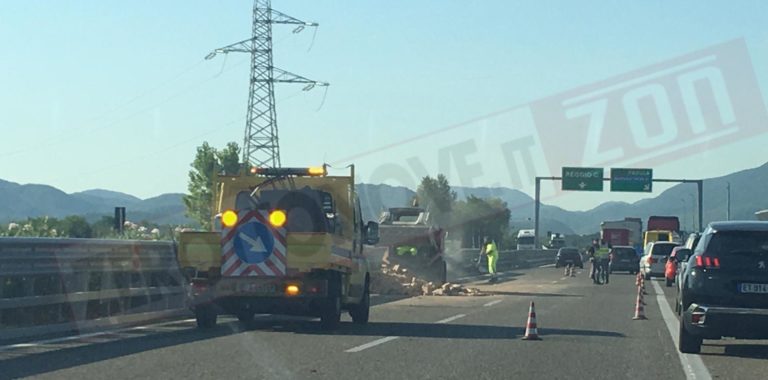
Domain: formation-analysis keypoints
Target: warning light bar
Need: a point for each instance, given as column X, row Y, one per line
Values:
column 297, row 172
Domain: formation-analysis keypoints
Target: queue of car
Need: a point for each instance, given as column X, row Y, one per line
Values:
column 720, row 277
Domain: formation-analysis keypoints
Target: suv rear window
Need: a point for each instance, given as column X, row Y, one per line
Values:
column 625, row 252
column 662, row 249
column 723, row 243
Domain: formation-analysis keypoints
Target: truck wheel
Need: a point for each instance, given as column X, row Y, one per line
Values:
column 688, row 343
column 361, row 312
column 205, row 317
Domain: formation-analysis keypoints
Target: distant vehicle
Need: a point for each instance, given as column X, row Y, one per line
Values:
column 526, row 239
column 678, row 254
column 625, row 259
column 657, row 235
column 666, row 223
column 568, row 255
column 724, row 290
column 630, row 232
column 556, row 241
column 653, row 261
column 692, row 240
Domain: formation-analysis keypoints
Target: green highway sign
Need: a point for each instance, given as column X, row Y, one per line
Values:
column 634, row 180
column 583, row 179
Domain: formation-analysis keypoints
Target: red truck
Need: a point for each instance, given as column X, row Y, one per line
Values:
column 663, row 223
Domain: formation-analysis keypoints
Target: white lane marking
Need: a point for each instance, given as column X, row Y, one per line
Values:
column 492, row 303
column 563, row 278
column 693, row 366
column 449, row 319
column 89, row 335
column 391, row 338
column 548, row 266
column 554, row 282
column 372, row 344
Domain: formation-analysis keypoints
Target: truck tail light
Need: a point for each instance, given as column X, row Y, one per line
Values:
column 707, row 262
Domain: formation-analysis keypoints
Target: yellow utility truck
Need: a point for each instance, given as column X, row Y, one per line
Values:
column 285, row 241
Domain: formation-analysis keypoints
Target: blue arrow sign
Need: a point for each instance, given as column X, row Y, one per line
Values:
column 253, row 242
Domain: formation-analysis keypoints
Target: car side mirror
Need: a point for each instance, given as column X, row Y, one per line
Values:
column 371, row 233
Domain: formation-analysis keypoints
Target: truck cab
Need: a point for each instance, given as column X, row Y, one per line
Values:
column 526, row 239
column 284, row 241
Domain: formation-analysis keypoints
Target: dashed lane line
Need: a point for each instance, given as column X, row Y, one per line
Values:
column 492, row 303
column 386, row 339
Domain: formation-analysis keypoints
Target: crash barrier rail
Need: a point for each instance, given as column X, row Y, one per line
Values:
column 524, row 258
column 49, row 285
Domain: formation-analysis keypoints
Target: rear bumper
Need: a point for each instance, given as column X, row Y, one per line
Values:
column 261, row 295
column 714, row 322
column 619, row 266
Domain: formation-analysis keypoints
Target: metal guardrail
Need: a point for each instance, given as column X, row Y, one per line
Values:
column 514, row 258
column 73, row 282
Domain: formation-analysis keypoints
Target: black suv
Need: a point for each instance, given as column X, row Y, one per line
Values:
column 625, row 259
column 568, row 255
column 724, row 290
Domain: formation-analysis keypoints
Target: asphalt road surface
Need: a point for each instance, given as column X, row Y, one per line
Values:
column 587, row 331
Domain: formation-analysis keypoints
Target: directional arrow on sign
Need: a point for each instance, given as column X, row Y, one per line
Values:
column 647, row 188
column 256, row 245
column 582, row 185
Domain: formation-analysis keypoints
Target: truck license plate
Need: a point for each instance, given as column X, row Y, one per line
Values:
column 753, row 288
column 257, row 288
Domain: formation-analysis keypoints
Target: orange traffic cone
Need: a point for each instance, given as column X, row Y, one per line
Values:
column 639, row 307
column 531, row 331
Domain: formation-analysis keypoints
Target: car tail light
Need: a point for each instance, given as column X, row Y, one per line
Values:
column 707, row 262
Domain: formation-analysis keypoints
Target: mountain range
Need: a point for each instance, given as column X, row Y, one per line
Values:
column 17, row 202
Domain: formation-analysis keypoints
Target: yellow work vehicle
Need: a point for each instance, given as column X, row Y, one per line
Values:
column 286, row 241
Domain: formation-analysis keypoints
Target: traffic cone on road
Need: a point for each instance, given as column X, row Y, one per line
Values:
column 531, row 331
column 639, row 307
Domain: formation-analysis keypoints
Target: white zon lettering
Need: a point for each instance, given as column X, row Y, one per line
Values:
column 596, row 111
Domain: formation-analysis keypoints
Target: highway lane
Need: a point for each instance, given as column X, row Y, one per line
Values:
column 587, row 330
column 728, row 358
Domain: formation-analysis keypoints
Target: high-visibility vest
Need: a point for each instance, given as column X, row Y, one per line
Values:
column 490, row 249
column 602, row 253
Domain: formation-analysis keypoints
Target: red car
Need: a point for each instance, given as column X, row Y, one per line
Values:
column 670, row 268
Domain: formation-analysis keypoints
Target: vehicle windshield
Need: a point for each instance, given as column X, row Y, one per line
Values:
column 662, row 249
column 528, row 240
column 625, row 252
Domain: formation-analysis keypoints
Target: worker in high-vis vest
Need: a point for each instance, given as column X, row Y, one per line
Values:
column 492, row 252
column 600, row 262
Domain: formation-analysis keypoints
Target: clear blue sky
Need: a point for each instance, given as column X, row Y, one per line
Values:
column 116, row 95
